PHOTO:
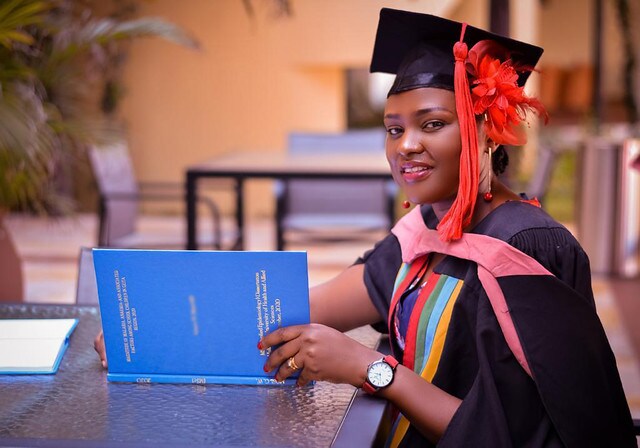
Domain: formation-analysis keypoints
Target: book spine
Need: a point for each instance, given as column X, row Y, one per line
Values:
column 63, row 348
column 203, row 379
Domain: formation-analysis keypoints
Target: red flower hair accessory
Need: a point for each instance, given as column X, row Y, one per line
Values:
column 497, row 95
column 483, row 85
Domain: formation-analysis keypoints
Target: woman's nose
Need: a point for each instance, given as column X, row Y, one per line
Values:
column 410, row 143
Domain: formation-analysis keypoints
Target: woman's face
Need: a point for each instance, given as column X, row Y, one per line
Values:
column 423, row 144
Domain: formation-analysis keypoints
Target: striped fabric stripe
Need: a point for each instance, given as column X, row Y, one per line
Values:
column 408, row 272
column 402, row 274
column 434, row 308
column 440, row 335
column 412, row 342
column 445, row 300
column 425, row 318
column 391, row 441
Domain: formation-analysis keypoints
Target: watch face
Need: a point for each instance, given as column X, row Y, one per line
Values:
column 380, row 374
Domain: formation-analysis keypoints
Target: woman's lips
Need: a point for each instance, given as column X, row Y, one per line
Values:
column 414, row 172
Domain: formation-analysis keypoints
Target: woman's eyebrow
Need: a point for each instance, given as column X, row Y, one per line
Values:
column 428, row 110
column 419, row 112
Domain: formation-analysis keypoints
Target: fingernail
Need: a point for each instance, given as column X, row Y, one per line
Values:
column 266, row 368
column 259, row 345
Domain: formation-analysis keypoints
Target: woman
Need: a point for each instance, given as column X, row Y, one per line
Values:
column 487, row 300
column 491, row 315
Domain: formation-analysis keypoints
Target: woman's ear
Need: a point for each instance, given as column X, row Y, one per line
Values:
column 484, row 141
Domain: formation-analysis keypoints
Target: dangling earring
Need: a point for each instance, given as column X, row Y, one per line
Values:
column 406, row 204
column 488, row 196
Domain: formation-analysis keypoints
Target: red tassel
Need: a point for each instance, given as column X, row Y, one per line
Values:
column 459, row 215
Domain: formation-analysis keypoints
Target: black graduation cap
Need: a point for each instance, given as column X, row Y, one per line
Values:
column 418, row 48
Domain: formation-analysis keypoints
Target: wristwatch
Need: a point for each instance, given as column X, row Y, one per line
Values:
column 380, row 374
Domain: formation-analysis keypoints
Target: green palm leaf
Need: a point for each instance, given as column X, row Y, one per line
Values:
column 52, row 60
column 104, row 31
column 16, row 14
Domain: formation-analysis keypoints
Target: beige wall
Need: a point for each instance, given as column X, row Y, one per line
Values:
column 253, row 81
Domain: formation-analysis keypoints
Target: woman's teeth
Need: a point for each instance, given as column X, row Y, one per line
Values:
column 415, row 169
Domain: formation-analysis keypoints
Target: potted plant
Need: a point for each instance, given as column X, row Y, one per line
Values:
column 53, row 54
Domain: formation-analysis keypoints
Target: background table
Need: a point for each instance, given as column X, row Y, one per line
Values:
column 265, row 165
column 78, row 407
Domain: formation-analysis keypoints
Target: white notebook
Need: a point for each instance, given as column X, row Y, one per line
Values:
column 30, row 346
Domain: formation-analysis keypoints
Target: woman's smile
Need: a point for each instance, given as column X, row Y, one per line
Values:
column 415, row 171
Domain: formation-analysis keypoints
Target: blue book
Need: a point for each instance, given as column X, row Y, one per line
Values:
column 196, row 316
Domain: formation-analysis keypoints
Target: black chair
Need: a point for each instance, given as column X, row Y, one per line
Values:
column 120, row 196
column 334, row 210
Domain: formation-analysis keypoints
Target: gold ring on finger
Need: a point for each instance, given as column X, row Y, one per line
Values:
column 292, row 363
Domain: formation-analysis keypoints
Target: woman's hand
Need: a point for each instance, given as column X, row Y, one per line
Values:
column 98, row 344
column 320, row 352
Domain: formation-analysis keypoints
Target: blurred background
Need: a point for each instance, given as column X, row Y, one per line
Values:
column 266, row 68
column 173, row 84
column 244, row 74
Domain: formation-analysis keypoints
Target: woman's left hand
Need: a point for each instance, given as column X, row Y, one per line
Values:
column 319, row 352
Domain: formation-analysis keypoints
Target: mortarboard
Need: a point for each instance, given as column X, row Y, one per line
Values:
column 418, row 48
column 487, row 73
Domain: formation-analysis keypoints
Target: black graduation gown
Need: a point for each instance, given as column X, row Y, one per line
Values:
column 576, row 398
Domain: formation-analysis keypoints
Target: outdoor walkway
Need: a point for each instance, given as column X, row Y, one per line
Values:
column 50, row 249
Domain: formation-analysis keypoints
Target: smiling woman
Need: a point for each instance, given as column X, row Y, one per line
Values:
column 487, row 300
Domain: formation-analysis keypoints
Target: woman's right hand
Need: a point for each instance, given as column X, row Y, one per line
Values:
column 321, row 353
column 98, row 344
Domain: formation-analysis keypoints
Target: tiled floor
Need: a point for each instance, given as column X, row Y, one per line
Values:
column 50, row 248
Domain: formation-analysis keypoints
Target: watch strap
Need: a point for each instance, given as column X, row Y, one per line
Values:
column 368, row 387
column 393, row 362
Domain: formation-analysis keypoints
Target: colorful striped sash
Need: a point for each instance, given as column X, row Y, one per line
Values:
column 430, row 318
column 428, row 326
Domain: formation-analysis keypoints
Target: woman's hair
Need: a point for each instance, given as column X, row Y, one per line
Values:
column 499, row 160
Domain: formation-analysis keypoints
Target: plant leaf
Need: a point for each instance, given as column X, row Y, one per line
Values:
column 15, row 36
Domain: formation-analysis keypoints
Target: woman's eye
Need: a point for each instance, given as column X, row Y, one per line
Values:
column 394, row 131
column 433, row 125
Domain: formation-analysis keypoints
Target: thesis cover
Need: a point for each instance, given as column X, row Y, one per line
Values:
column 196, row 316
